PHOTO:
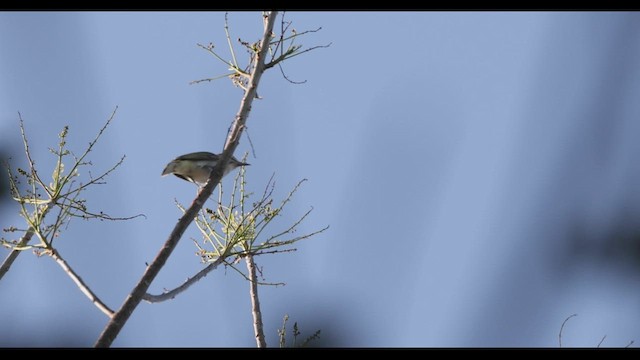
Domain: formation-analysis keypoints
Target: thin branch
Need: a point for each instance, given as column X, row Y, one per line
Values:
column 226, row 31
column 255, row 302
column 66, row 202
column 119, row 319
column 81, row 285
column 35, row 178
column 15, row 192
column 247, row 277
column 294, row 35
column 286, row 56
column 13, row 255
column 247, row 100
column 291, row 51
column 292, row 227
column 562, row 328
column 205, row 228
column 270, row 243
column 209, row 49
column 94, row 141
column 101, row 215
column 269, row 252
column 8, row 261
column 602, row 340
column 287, row 78
column 93, row 180
column 193, row 82
column 253, row 150
column 280, row 43
column 168, row 295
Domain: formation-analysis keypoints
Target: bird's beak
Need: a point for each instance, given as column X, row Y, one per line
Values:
column 169, row 169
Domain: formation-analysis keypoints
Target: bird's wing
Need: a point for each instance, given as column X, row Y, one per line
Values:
column 200, row 155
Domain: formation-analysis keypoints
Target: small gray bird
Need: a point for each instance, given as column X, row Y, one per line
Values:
column 196, row 167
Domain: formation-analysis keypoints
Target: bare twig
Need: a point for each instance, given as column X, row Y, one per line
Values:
column 93, row 180
column 80, row 161
column 32, row 166
column 171, row 294
column 253, row 150
column 287, row 78
column 101, row 215
column 248, row 277
column 629, row 344
column 168, row 295
column 83, row 287
column 291, row 51
column 193, row 82
column 286, row 56
column 562, row 328
column 226, row 31
column 62, row 193
column 13, row 254
column 602, row 340
column 116, row 323
column 255, row 302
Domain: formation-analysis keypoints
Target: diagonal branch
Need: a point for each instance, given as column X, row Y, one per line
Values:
column 119, row 319
column 83, row 287
column 66, row 202
column 187, row 284
column 13, row 255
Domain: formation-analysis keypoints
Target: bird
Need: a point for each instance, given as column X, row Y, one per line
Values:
column 197, row 166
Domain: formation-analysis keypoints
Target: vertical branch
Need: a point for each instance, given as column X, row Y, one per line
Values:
column 255, row 302
column 119, row 319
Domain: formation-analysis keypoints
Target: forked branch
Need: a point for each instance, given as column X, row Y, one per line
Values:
column 119, row 319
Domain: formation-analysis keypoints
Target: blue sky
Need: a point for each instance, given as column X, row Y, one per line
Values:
column 477, row 171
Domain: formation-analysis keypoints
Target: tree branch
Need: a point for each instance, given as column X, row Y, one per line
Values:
column 255, row 302
column 562, row 328
column 168, row 295
column 67, row 203
column 116, row 323
column 13, row 255
column 83, row 287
